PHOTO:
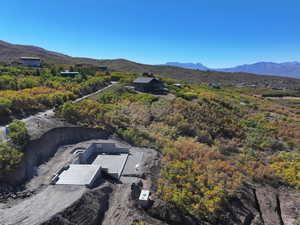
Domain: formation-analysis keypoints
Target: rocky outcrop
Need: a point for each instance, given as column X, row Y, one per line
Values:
column 172, row 215
column 250, row 206
column 269, row 206
column 289, row 206
column 242, row 209
column 41, row 149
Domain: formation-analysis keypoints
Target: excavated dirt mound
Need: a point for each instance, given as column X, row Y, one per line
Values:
column 88, row 210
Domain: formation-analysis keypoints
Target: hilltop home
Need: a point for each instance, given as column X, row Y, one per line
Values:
column 102, row 68
column 68, row 73
column 214, row 85
column 31, row 61
column 147, row 84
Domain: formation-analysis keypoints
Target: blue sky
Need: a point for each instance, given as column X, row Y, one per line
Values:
column 217, row 33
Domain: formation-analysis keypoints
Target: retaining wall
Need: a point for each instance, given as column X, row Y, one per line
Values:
column 41, row 149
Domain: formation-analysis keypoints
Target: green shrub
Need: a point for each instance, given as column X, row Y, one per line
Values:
column 187, row 95
column 143, row 98
column 29, row 82
column 18, row 133
column 287, row 166
column 109, row 97
column 69, row 112
column 8, row 82
column 135, row 137
column 5, row 105
column 116, row 77
column 10, row 157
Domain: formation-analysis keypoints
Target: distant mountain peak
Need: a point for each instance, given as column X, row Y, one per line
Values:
column 287, row 69
column 194, row 66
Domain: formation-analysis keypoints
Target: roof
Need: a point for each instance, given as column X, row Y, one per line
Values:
column 30, row 58
column 144, row 196
column 144, row 80
column 214, row 85
column 68, row 72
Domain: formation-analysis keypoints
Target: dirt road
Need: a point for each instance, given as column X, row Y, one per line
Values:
column 44, row 120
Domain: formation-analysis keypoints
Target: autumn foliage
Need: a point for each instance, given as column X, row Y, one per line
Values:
column 213, row 141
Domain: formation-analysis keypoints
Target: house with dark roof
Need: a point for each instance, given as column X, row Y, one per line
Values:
column 31, row 61
column 68, row 73
column 102, row 68
column 148, row 84
column 214, row 85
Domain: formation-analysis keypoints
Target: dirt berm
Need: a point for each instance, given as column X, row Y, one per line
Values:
column 88, row 210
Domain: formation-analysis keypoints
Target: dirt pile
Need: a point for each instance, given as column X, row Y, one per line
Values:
column 88, row 210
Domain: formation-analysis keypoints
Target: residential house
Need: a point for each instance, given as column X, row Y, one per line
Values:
column 148, row 84
column 68, row 73
column 31, row 61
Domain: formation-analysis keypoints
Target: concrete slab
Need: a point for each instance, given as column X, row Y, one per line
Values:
column 80, row 175
column 112, row 164
column 129, row 180
column 133, row 165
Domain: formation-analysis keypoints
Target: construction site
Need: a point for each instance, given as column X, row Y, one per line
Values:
column 89, row 165
column 89, row 181
column 100, row 172
column 72, row 175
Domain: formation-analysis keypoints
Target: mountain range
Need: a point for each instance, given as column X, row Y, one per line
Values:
column 12, row 52
column 193, row 66
column 287, row 69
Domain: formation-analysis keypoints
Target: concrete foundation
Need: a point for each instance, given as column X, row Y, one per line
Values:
column 80, row 175
column 112, row 164
column 95, row 149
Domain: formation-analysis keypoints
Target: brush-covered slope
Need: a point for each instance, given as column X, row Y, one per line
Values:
column 11, row 52
column 227, row 156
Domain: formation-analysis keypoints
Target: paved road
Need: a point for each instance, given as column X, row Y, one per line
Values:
column 45, row 117
column 284, row 98
column 94, row 93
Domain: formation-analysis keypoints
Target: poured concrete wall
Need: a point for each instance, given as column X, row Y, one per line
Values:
column 98, row 148
column 110, row 148
column 112, row 164
column 85, row 156
column 41, row 149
